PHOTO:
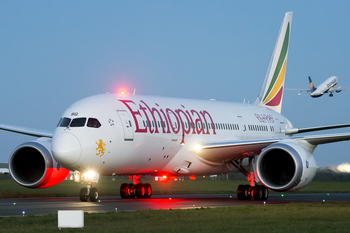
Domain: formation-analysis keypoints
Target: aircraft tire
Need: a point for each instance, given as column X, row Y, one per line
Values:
column 265, row 192
column 131, row 191
column 140, row 190
column 257, row 192
column 148, row 189
column 240, row 191
column 94, row 194
column 83, row 196
column 246, row 194
column 124, row 188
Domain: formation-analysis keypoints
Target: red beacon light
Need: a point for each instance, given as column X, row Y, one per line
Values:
column 122, row 92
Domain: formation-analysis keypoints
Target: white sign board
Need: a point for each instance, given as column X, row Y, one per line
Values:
column 70, row 219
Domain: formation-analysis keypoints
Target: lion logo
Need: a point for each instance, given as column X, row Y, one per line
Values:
column 101, row 147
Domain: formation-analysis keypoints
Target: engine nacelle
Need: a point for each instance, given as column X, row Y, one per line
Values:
column 32, row 165
column 285, row 167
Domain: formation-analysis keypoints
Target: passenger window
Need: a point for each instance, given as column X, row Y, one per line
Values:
column 65, row 122
column 78, row 122
column 93, row 123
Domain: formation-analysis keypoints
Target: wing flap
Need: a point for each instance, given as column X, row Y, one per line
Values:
column 26, row 131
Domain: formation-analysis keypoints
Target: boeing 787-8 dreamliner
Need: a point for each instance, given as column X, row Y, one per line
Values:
column 115, row 134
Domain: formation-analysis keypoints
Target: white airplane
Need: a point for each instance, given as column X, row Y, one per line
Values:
column 114, row 134
column 327, row 86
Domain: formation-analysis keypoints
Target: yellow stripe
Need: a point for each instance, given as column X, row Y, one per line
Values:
column 278, row 83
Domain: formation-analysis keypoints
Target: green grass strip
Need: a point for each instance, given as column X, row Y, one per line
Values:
column 305, row 217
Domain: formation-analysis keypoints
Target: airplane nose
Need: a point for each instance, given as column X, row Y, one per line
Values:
column 66, row 149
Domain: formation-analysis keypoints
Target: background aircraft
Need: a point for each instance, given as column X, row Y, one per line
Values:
column 328, row 86
column 113, row 134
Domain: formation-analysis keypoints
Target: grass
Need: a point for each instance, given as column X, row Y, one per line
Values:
column 108, row 187
column 305, row 217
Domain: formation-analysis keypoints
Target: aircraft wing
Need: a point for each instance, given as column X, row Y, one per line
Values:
column 300, row 90
column 26, row 131
column 224, row 151
column 325, row 138
column 305, row 130
column 339, row 89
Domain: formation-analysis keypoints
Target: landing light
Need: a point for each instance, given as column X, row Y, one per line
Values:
column 89, row 176
column 197, row 148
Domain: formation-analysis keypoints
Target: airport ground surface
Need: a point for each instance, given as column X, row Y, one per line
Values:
column 50, row 205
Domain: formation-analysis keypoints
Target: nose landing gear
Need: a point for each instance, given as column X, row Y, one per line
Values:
column 89, row 193
column 135, row 189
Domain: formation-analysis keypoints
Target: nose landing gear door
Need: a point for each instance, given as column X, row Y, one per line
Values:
column 127, row 126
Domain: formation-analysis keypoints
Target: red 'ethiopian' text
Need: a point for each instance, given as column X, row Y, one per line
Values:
column 172, row 120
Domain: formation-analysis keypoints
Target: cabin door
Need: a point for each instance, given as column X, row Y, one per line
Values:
column 127, row 126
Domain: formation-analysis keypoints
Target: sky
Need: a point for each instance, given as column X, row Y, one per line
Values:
column 53, row 53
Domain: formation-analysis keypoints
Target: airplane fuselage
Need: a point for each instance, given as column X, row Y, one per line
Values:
column 325, row 87
column 151, row 135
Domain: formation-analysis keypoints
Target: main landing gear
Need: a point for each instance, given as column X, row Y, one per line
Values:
column 89, row 193
column 135, row 189
column 246, row 192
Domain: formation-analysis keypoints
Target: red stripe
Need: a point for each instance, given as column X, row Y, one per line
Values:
column 275, row 101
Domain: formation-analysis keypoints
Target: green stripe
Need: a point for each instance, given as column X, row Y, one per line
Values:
column 280, row 61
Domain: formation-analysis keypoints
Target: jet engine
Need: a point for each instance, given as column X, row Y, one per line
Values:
column 285, row 167
column 32, row 165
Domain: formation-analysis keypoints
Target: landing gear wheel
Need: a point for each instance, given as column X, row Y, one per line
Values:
column 131, row 191
column 124, row 190
column 240, row 191
column 148, row 190
column 265, row 192
column 247, row 194
column 258, row 192
column 83, row 196
column 140, row 190
column 94, row 194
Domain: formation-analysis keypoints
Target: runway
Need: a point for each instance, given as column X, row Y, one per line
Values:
column 50, row 205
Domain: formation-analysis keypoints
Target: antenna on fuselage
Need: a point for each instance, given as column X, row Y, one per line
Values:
column 134, row 91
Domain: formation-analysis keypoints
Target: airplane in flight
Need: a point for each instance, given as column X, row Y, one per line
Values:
column 328, row 86
column 131, row 135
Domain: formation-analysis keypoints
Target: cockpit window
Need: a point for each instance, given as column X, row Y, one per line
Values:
column 93, row 123
column 65, row 122
column 59, row 122
column 78, row 122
